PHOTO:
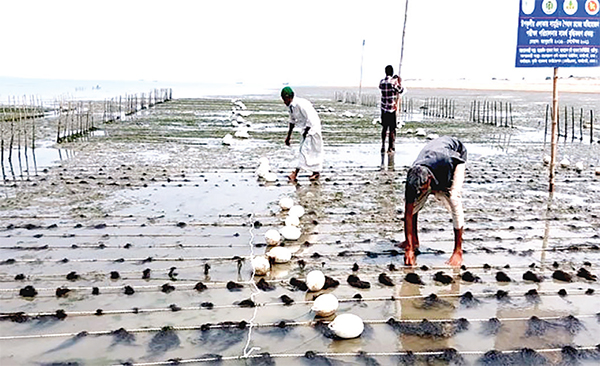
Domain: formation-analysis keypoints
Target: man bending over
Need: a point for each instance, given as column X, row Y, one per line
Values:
column 439, row 169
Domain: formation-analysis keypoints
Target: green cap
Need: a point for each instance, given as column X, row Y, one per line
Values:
column 287, row 92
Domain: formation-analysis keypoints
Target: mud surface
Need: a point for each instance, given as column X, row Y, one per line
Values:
column 119, row 248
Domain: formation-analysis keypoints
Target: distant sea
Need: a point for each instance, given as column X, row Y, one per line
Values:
column 48, row 89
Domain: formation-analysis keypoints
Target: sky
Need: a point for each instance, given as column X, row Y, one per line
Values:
column 316, row 43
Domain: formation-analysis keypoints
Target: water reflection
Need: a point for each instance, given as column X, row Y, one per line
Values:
column 23, row 163
column 408, row 308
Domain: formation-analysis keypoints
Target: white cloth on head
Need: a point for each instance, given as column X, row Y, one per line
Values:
column 453, row 198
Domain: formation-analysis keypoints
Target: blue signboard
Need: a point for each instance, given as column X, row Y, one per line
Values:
column 558, row 33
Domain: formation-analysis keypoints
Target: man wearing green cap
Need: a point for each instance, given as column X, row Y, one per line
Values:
column 305, row 117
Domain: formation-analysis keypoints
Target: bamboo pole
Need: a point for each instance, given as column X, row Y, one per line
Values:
column 546, row 123
column 572, row 123
column 566, row 123
column 2, row 123
column 554, row 129
column 581, row 125
column 591, row 126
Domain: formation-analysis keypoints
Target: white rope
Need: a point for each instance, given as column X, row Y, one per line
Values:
column 255, row 291
column 350, row 354
column 268, row 325
column 295, row 303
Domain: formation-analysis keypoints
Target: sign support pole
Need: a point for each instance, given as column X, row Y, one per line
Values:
column 403, row 33
column 554, row 137
column 362, row 54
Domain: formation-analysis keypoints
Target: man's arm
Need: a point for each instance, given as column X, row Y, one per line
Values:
column 305, row 131
column 410, row 234
column 289, row 134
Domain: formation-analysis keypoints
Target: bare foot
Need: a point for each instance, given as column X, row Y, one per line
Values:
column 293, row 177
column 314, row 177
column 409, row 258
column 455, row 260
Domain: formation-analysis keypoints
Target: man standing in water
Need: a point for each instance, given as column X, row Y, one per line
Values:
column 305, row 117
column 439, row 169
column 391, row 89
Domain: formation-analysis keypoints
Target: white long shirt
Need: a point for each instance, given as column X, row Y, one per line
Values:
column 302, row 115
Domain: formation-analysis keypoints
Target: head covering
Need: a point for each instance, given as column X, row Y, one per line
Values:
column 287, row 92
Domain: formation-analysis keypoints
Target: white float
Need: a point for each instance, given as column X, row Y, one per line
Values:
column 286, row 203
column 325, row 305
column 280, row 255
column 272, row 237
column 292, row 221
column 261, row 265
column 347, row 326
column 290, row 232
column 270, row 177
column 297, row 211
column 315, row 280
column 227, row 140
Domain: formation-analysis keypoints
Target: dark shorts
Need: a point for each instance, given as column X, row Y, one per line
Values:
column 388, row 120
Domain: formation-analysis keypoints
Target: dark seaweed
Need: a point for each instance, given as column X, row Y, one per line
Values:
column 354, row 281
column 413, row 278
column 384, row 279
column 163, row 341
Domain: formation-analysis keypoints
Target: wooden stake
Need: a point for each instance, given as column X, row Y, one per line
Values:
column 554, row 138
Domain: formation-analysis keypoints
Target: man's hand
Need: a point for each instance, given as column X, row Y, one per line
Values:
column 305, row 133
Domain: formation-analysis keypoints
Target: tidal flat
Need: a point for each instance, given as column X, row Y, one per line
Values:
column 121, row 247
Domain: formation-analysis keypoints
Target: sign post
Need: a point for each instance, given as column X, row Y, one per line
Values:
column 558, row 33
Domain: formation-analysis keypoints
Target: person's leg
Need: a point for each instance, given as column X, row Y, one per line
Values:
column 392, row 137
column 383, row 135
column 458, row 217
column 312, row 155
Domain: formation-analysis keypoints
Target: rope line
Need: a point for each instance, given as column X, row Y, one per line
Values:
column 4, row 315
column 243, row 324
column 349, row 354
column 255, row 291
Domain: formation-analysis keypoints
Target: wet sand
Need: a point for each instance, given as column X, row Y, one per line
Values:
column 160, row 190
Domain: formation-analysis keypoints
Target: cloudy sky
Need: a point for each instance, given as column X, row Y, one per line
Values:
column 261, row 42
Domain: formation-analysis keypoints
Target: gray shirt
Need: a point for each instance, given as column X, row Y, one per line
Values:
column 441, row 157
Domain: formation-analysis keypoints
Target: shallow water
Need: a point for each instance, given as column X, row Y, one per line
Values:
column 160, row 191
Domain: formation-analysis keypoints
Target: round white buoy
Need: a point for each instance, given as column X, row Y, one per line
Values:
column 262, row 171
column 286, row 203
column 297, row 211
column 280, row 255
column 579, row 166
column 261, row 265
column 292, row 221
column 290, row 232
column 325, row 305
column 242, row 133
column 546, row 159
column 271, row 177
column 227, row 140
column 597, row 171
column 347, row 326
column 272, row 237
column 315, row 280
column 565, row 163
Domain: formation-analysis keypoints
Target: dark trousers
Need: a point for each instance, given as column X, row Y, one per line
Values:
column 388, row 122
